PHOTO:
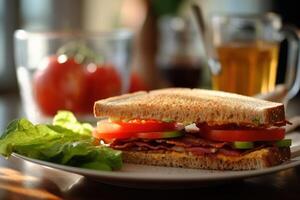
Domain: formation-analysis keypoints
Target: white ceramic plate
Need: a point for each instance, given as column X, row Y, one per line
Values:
column 144, row 176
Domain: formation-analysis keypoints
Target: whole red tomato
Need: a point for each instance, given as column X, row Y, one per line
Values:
column 103, row 82
column 60, row 83
column 136, row 83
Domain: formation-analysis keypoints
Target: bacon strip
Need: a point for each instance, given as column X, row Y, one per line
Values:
column 229, row 152
column 117, row 144
column 201, row 150
column 188, row 143
column 192, row 141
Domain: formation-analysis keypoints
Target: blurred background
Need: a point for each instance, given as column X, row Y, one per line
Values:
column 167, row 47
column 157, row 40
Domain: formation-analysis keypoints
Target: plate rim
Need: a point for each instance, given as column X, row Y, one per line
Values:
column 212, row 175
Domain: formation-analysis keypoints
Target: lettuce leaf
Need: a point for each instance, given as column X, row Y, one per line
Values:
column 67, row 120
column 66, row 141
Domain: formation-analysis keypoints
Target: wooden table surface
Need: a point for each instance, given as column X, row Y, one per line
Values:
column 24, row 180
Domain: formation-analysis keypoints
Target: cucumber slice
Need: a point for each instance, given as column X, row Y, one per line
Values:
column 172, row 134
column 159, row 135
column 284, row 143
column 243, row 145
column 167, row 120
column 117, row 119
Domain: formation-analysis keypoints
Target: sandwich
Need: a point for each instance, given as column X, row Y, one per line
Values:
column 194, row 128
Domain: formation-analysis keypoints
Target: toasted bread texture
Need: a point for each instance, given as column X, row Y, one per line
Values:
column 191, row 106
column 258, row 159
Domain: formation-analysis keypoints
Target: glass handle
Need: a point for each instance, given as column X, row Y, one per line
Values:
column 292, row 78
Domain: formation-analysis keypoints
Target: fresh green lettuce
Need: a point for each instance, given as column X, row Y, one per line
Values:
column 66, row 141
column 68, row 120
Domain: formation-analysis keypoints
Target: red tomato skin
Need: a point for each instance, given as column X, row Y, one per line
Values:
column 135, row 128
column 59, row 85
column 103, row 82
column 246, row 135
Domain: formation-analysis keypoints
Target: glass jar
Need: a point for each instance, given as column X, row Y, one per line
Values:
column 179, row 53
column 70, row 70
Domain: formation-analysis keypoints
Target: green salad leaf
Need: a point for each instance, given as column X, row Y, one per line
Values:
column 68, row 120
column 66, row 141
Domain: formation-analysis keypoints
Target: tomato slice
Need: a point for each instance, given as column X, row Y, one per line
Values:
column 145, row 135
column 134, row 126
column 247, row 135
column 150, row 129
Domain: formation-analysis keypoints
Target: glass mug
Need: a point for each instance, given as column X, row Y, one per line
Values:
column 246, row 48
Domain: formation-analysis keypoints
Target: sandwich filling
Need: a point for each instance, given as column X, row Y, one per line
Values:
column 198, row 139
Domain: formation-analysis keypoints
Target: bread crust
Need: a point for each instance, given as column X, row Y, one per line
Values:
column 191, row 106
column 258, row 159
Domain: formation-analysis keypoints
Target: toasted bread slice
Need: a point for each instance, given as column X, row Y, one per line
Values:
column 191, row 106
column 258, row 159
